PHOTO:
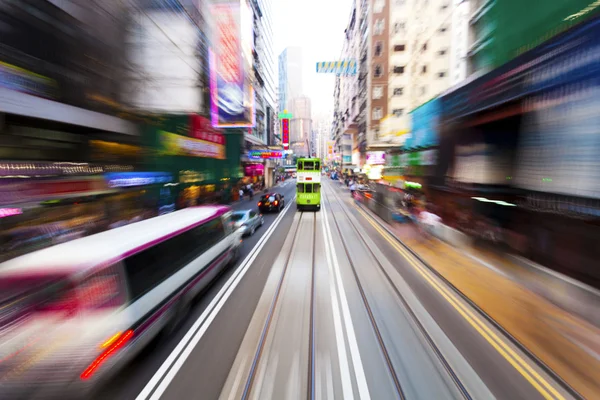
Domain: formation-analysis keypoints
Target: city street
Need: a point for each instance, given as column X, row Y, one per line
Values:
column 331, row 307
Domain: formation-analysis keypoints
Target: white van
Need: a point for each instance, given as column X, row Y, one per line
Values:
column 71, row 314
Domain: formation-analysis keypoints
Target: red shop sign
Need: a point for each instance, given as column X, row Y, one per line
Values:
column 201, row 128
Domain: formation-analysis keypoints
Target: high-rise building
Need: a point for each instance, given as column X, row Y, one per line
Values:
column 290, row 76
column 301, row 126
column 347, row 99
column 264, row 72
column 419, row 63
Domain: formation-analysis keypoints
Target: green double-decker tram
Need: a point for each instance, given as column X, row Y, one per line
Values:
column 308, row 188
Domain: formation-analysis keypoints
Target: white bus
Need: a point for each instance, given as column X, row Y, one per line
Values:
column 71, row 314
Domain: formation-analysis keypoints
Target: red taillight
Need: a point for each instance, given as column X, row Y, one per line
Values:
column 260, row 203
column 112, row 348
column 275, row 202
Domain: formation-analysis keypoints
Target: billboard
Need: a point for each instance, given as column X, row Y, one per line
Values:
column 177, row 145
column 231, row 73
column 345, row 67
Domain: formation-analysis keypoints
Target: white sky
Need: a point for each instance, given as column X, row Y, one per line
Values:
column 318, row 27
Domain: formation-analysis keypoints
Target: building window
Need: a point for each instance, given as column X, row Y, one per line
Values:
column 398, row 91
column 378, row 71
column 398, row 69
column 377, row 92
column 399, row 47
column 379, row 27
column 442, row 52
column 377, row 113
column 424, row 69
column 399, row 27
column 441, row 74
column 378, row 6
column 398, row 112
column 378, row 48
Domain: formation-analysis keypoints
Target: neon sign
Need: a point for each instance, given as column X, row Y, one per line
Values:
column 264, row 154
column 285, row 133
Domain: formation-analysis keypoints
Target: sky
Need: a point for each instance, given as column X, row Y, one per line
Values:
column 318, row 27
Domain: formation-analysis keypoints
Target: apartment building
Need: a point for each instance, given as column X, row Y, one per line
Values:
column 350, row 90
column 420, row 48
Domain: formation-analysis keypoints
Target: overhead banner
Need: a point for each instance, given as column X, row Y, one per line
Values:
column 177, row 145
column 264, row 154
column 345, row 67
column 232, row 94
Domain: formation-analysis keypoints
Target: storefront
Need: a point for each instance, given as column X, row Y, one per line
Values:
column 534, row 136
column 205, row 162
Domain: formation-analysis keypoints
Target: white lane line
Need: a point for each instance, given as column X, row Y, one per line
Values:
column 167, row 371
column 329, row 372
column 337, row 323
column 359, row 372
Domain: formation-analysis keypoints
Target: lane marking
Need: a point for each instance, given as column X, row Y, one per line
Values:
column 361, row 380
column 337, row 324
column 543, row 387
column 169, row 368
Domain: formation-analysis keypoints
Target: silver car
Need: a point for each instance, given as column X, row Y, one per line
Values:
column 247, row 220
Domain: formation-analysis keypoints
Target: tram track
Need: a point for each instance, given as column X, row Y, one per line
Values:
column 436, row 350
column 250, row 385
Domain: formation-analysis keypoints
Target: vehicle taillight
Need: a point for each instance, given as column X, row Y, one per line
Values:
column 116, row 342
column 275, row 202
column 260, row 203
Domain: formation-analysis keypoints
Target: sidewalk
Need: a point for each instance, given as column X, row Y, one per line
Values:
column 564, row 337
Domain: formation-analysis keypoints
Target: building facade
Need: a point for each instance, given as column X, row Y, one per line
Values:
column 264, row 72
column 290, row 77
column 301, row 130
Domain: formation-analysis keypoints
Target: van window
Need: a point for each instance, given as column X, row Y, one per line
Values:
column 149, row 268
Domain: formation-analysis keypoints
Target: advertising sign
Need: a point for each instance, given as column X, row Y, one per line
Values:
column 376, row 157
column 177, row 145
column 345, row 67
column 285, row 133
column 201, row 128
column 232, row 94
column 330, row 150
column 424, row 126
column 264, row 154
column 129, row 179
column 254, row 170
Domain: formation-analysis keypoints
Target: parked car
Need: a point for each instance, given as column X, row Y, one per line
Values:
column 247, row 220
column 271, row 202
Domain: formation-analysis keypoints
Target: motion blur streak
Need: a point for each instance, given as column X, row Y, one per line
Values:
column 109, row 352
